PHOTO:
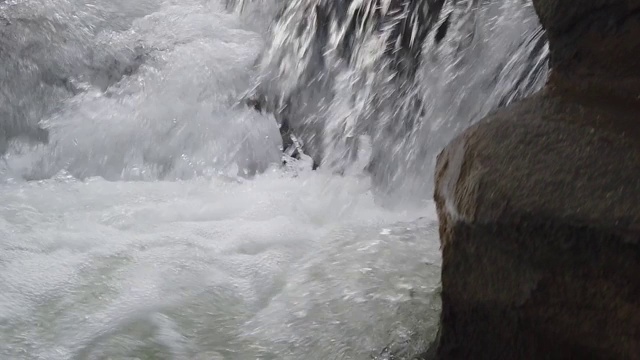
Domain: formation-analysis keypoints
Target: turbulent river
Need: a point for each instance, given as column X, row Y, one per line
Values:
column 144, row 209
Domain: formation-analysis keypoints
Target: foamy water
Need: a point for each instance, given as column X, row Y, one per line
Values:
column 141, row 230
column 278, row 267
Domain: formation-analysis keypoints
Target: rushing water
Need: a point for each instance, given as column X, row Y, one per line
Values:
column 145, row 212
column 406, row 76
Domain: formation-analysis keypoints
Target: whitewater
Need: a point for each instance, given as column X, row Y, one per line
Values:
column 145, row 211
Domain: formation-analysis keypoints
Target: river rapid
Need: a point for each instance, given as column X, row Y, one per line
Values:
column 139, row 231
column 145, row 211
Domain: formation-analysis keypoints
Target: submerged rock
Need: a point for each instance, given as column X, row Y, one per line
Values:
column 539, row 204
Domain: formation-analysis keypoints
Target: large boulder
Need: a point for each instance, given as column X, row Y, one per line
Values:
column 539, row 204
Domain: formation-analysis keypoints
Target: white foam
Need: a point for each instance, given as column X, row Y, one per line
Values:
column 225, row 264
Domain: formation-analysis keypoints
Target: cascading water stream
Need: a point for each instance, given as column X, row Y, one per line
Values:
column 144, row 208
column 407, row 74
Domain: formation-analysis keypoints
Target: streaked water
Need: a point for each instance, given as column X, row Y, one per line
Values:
column 145, row 212
column 389, row 71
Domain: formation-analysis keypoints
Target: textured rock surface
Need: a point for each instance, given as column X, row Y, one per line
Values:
column 594, row 45
column 540, row 204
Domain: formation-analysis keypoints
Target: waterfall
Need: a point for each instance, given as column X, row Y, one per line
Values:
column 402, row 77
column 375, row 85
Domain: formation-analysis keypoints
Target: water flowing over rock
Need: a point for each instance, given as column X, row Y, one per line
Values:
column 539, row 204
column 409, row 75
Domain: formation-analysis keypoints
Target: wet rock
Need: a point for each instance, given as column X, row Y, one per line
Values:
column 539, row 204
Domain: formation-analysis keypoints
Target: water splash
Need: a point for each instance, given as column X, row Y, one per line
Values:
column 409, row 75
column 144, row 91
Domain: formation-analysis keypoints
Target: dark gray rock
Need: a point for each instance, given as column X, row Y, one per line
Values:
column 539, row 204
